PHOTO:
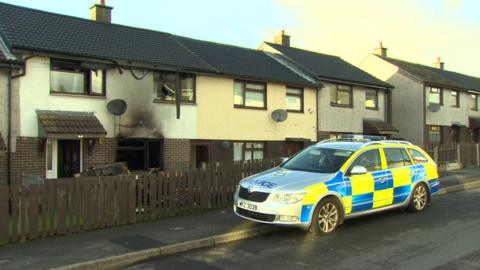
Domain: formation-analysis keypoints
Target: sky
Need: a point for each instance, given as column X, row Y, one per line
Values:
column 413, row 30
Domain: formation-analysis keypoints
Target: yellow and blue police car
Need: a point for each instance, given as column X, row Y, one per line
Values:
column 337, row 179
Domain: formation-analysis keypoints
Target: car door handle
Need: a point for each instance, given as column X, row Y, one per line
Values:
column 382, row 179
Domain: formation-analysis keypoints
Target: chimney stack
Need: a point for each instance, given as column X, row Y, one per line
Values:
column 439, row 64
column 101, row 13
column 282, row 39
column 381, row 51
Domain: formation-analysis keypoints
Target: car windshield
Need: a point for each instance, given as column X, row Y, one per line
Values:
column 316, row 159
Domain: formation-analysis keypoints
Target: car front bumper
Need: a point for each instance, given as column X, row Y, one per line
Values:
column 271, row 212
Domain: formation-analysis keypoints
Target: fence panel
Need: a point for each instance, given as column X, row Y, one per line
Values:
column 64, row 206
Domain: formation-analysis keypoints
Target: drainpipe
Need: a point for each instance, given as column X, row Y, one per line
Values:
column 9, row 127
column 11, row 77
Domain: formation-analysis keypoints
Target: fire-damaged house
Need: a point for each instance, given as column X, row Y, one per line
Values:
column 84, row 93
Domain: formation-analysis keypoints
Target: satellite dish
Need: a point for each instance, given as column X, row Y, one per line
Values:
column 432, row 107
column 279, row 115
column 117, row 107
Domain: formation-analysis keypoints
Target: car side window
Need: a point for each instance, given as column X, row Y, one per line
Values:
column 418, row 158
column 370, row 160
column 396, row 157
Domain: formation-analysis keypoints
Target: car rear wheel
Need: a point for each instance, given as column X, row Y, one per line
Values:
column 326, row 217
column 420, row 198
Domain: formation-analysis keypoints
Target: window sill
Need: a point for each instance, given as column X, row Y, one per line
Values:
column 371, row 109
column 249, row 108
column 76, row 95
column 341, row 106
column 173, row 102
column 294, row 111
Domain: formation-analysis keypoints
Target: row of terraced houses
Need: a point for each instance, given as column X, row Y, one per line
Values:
column 77, row 93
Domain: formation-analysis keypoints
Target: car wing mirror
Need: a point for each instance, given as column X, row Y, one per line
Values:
column 358, row 170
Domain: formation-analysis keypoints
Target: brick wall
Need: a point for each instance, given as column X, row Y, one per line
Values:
column 104, row 152
column 177, row 154
column 28, row 159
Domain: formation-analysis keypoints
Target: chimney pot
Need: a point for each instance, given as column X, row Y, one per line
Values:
column 282, row 39
column 381, row 51
column 439, row 64
column 101, row 13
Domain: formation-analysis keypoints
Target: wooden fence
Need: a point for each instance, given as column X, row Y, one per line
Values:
column 67, row 206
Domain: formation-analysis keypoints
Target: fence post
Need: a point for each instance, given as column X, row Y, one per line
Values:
column 459, row 155
column 435, row 154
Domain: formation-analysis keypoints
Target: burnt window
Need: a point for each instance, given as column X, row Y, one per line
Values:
column 165, row 84
column 71, row 78
column 140, row 155
column 341, row 95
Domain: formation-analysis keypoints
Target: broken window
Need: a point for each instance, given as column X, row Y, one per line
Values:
column 165, row 84
column 140, row 155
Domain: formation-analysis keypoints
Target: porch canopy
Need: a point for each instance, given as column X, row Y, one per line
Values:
column 69, row 125
column 474, row 122
column 377, row 126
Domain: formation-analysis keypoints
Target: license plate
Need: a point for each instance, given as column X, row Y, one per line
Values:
column 248, row 206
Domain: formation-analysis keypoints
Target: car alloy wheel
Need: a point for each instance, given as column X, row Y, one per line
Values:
column 328, row 217
column 420, row 198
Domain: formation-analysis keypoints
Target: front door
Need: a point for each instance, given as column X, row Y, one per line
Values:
column 68, row 158
column 291, row 148
column 201, row 155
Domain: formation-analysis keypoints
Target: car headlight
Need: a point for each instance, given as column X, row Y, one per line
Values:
column 288, row 198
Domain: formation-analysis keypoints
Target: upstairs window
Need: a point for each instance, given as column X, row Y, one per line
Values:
column 474, row 102
column 341, row 95
column 249, row 95
column 371, row 99
column 435, row 96
column 165, row 85
column 70, row 77
column 294, row 99
column 454, row 99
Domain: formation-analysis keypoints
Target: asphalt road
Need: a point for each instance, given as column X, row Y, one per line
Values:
column 445, row 236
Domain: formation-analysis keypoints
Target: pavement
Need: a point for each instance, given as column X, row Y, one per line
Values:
column 444, row 236
column 115, row 248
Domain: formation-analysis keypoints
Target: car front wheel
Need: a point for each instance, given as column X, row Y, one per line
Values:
column 326, row 217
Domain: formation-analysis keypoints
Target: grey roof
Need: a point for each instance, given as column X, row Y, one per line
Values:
column 328, row 67
column 437, row 76
column 25, row 28
column 67, row 122
column 243, row 62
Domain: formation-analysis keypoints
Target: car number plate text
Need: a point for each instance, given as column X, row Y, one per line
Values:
column 248, row 206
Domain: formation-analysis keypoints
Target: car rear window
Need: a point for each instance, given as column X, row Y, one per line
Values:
column 418, row 158
column 316, row 159
column 396, row 157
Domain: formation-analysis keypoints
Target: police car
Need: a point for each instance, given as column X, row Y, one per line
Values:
column 336, row 179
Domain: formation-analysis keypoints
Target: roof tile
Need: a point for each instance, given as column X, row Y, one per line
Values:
column 63, row 122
